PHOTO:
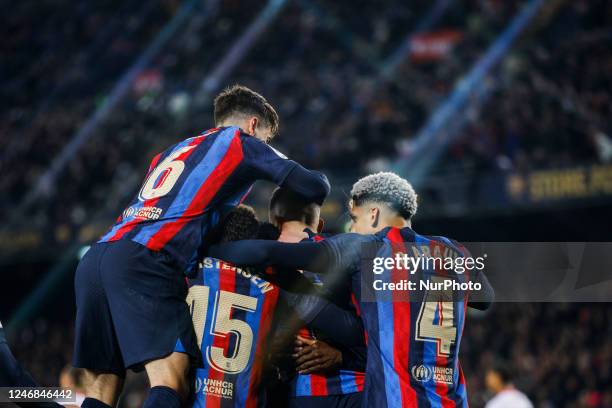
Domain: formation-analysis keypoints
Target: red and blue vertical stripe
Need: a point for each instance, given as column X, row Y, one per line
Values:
column 392, row 347
column 340, row 382
column 247, row 388
column 184, row 218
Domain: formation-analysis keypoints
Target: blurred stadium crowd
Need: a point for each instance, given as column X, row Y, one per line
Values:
column 325, row 67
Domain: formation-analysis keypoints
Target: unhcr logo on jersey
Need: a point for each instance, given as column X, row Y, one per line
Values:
column 128, row 212
column 144, row 213
column 421, row 373
column 425, row 373
column 219, row 388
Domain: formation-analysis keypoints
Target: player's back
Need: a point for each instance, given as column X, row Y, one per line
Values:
column 232, row 311
column 335, row 382
column 190, row 185
column 413, row 342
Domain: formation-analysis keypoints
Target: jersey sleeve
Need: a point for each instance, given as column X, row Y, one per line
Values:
column 344, row 251
column 262, row 253
column 483, row 298
column 354, row 358
column 263, row 162
column 339, row 254
column 342, row 326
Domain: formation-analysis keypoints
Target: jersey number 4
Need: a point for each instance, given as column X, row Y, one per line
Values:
column 436, row 324
column 222, row 326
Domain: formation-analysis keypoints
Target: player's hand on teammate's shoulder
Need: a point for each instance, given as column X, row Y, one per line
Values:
column 315, row 356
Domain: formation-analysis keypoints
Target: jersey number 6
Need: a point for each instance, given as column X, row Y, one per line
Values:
column 161, row 180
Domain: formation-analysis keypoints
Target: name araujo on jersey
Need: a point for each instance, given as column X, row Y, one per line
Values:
column 212, row 263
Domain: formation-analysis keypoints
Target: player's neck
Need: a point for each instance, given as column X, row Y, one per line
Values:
column 398, row 222
column 293, row 231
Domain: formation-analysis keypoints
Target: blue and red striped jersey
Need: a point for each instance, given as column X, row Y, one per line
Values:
column 413, row 346
column 337, row 382
column 232, row 311
column 191, row 185
column 413, row 335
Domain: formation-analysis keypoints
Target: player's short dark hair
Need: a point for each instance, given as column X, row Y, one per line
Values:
column 238, row 99
column 240, row 223
column 286, row 205
column 503, row 370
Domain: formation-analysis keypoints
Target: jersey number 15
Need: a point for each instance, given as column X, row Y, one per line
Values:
column 222, row 325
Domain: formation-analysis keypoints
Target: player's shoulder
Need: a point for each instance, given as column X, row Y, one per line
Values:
column 449, row 242
column 352, row 238
column 347, row 249
column 188, row 141
column 350, row 244
column 456, row 245
column 245, row 138
column 202, row 135
column 407, row 234
column 212, row 133
column 441, row 239
column 254, row 146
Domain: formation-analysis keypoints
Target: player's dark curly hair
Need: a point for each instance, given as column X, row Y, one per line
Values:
column 240, row 223
column 240, row 100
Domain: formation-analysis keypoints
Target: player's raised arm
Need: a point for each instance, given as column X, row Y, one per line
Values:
column 258, row 121
column 312, row 256
column 482, row 299
column 343, row 326
column 335, row 254
column 265, row 162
